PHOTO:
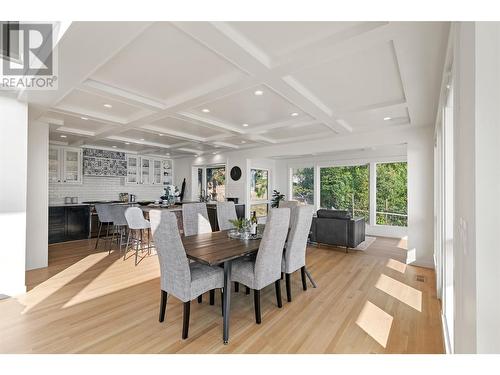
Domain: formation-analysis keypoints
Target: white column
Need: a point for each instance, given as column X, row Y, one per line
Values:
column 37, row 196
column 13, row 169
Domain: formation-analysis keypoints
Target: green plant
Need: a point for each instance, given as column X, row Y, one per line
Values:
column 277, row 197
column 240, row 224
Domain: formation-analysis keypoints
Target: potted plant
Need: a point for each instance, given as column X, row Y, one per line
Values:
column 277, row 197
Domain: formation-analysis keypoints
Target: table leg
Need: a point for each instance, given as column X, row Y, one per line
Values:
column 227, row 301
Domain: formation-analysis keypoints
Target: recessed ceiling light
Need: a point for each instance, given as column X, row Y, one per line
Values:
column 387, row 118
column 113, row 146
column 108, row 105
column 127, row 143
column 259, row 92
column 294, row 114
column 206, row 110
column 214, row 153
column 196, row 156
column 243, row 141
column 63, row 136
column 84, row 118
column 160, row 134
column 142, row 139
column 168, row 154
column 245, row 125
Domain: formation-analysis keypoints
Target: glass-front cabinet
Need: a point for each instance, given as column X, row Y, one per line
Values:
column 65, row 165
column 148, row 170
column 133, row 168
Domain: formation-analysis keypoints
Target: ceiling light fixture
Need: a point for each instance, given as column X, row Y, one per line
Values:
column 84, row 118
column 206, row 110
column 245, row 125
column 63, row 136
column 108, row 105
column 160, row 134
column 387, row 118
column 294, row 114
column 168, row 154
column 243, row 141
column 142, row 139
column 259, row 92
column 214, row 153
column 127, row 143
column 196, row 156
column 113, row 146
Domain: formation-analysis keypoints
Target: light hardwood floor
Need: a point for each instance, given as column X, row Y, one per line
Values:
column 87, row 301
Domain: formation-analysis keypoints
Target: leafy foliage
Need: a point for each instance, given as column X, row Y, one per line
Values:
column 240, row 223
column 303, row 185
column 392, row 195
column 277, row 197
column 259, row 184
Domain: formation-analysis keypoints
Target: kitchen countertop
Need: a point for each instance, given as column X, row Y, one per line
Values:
column 68, row 204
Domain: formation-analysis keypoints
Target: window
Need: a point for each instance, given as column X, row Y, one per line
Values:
column 303, row 185
column 392, row 199
column 259, row 191
column 216, row 183
column 346, row 188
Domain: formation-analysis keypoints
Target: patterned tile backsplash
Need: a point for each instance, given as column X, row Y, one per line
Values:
column 102, row 188
column 104, row 163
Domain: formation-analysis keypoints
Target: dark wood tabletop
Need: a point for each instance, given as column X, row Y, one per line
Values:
column 216, row 248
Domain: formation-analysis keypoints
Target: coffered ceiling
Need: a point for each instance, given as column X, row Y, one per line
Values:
column 189, row 88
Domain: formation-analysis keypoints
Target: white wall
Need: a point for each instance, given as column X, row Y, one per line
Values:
column 477, row 187
column 37, row 196
column 13, row 166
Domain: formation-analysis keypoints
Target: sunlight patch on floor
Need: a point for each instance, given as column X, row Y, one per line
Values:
column 50, row 286
column 396, row 265
column 375, row 322
column 403, row 243
column 104, row 284
column 406, row 294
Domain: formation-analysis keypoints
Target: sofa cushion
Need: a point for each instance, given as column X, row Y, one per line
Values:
column 333, row 214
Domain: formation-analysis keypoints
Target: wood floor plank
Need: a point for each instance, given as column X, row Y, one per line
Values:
column 89, row 301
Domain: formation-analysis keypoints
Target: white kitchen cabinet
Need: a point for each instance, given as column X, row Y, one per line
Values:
column 146, row 170
column 65, row 165
column 133, row 169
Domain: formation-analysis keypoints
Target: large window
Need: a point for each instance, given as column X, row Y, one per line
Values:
column 215, row 181
column 392, row 199
column 303, row 185
column 259, row 191
column 346, row 188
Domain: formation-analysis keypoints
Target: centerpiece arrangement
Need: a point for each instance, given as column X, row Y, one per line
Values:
column 171, row 195
column 242, row 230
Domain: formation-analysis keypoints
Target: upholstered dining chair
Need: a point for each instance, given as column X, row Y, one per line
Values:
column 226, row 211
column 195, row 219
column 178, row 277
column 104, row 216
column 138, row 224
column 294, row 257
column 291, row 205
column 265, row 269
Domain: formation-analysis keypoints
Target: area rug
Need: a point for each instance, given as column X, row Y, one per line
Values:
column 365, row 244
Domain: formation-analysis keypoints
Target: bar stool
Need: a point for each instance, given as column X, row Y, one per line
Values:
column 104, row 216
column 117, row 212
column 137, row 222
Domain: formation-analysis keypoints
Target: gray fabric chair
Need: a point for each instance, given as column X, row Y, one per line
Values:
column 195, row 219
column 137, row 223
column 179, row 277
column 291, row 205
column 226, row 211
column 104, row 216
column 265, row 269
column 117, row 214
column 294, row 257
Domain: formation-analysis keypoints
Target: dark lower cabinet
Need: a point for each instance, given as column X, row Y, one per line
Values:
column 68, row 223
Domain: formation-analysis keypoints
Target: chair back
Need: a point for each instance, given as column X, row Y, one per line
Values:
column 117, row 212
column 175, row 275
column 270, row 254
column 289, row 204
column 103, row 212
column 226, row 211
column 135, row 218
column 295, row 254
column 195, row 219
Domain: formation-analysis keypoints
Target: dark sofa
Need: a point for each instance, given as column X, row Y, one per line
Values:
column 337, row 227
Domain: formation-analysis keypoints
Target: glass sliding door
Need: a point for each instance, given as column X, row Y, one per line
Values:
column 216, row 183
column 346, row 188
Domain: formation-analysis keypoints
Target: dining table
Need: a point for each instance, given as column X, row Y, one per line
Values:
column 218, row 249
